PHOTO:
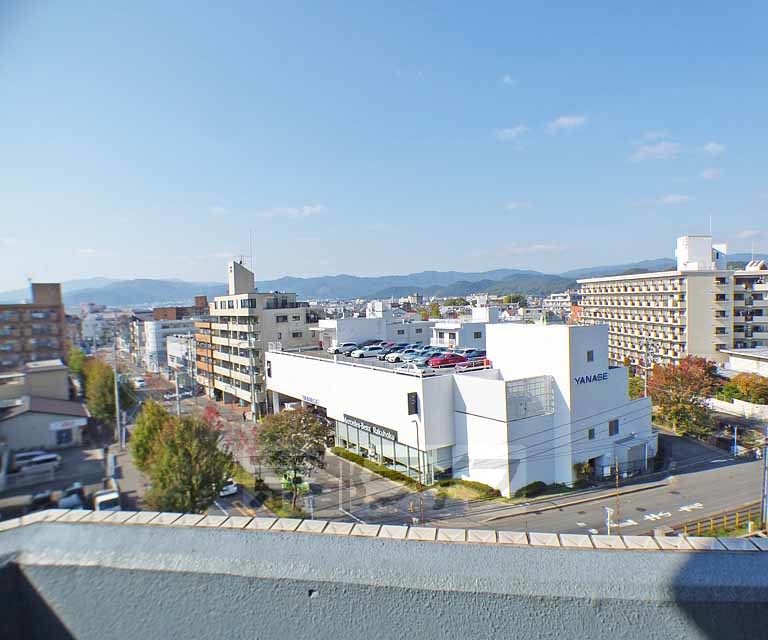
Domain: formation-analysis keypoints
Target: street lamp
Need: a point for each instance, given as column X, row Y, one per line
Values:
column 651, row 357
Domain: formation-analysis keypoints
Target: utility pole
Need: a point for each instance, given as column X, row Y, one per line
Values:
column 764, row 501
column 608, row 514
column 735, row 439
column 618, row 505
column 118, row 430
column 421, row 484
column 178, row 397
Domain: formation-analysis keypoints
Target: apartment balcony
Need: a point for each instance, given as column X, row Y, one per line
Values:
column 219, row 340
column 738, row 335
column 202, row 337
column 220, row 355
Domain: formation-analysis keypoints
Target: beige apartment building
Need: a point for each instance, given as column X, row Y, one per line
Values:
column 699, row 309
column 33, row 331
column 231, row 343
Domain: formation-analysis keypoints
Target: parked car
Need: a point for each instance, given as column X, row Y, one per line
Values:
column 367, row 352
column 400, row 356
column 41, row 500
column 368, row 343
column 23, row 457
column 139, row 382
column 72, row 497
column 230, row 488
column 45, row 461
column 474, row 354
column 347, row 350
column 422, row 359
column 387, row 350
column 446, row 360
column 342, row 345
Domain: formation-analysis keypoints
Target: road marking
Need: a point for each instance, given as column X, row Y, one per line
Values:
column 620, row 525
column 345, row 512
column 246, row 511
column 223, row 510
column 581, row 524
column 691, row 507
column 657, row 516
column 594, row 532
column 720, row 460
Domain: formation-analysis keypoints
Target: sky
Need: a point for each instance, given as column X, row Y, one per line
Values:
column 146, row 139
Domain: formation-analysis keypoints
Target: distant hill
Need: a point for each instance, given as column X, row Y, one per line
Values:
column 155, row 292
column 144, row 292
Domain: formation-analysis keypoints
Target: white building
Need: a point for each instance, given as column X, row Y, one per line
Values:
column 156, row 333
column 753, row 360
column 466, row 332
column 549, row 402
column 180, row 350
column 381, row 322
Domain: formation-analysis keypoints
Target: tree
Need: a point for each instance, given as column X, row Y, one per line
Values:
column 77, row 360
column 680, row 392
column 188, row 468
column 751, row 387
column 434, row 310
column 507, row 299
column 293, row 443
column 456, row 302
column 424, row 314
column 100, row 391
column 146, row 434
column 636, row 387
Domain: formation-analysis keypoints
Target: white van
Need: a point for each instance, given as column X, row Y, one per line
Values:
column 42, row 462
column 139, row 382
column 23, row 457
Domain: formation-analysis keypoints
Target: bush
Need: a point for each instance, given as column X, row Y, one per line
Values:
column 388, row 473
column 531, row 490
column 484, row 490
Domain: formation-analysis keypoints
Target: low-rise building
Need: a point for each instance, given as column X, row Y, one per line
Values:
column 747, row 361
column 32, row 422
column 467, row 332
column 549, row 408
column 44, row 378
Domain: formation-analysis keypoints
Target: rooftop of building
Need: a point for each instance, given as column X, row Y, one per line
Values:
column 45, row 365
column 35, row 404
column 76, row 573
column 755, row 353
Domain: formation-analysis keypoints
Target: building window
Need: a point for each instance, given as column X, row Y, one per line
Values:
column 400, row 332
column 230, row 304
column 296, row 334
column 591, row 434
column 279, row 335
column 441, row 334
column 477, row 335
column 281, row 318
column 296, row 318
column 613, row 427
column 419, row 331
column 590, row 356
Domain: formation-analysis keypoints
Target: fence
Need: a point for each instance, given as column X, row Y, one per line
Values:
column 734, row 519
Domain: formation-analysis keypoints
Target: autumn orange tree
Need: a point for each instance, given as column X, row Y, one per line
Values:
column 749, row 387
column 680, row 391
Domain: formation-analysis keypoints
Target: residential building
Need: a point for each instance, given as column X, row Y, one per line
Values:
column 753, row 360
column 546, row 406
column 381, row 322
column 44, row 379
column 561, row 304
column 156, row 332
column 180, row 349
column 242, row 324
column 33, row 331
column 32, row 422
column 688, row 311
column 466, row 332
column 750, row 306
column 137, row 336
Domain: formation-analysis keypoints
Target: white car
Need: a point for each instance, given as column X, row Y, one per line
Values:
column 367, row 352
column 230, row 488
column 343, row 347
column 139, row 382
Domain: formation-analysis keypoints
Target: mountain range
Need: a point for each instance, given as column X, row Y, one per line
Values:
column 148, row 292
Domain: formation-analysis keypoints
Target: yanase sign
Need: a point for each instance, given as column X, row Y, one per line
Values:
column 375, row 429
column 596, row 377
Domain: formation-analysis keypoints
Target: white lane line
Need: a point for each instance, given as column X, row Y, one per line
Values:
column 223, row 510
column 345, row 512
column 691, row 507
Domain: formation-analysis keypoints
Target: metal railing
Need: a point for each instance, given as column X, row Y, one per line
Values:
column 729, row 519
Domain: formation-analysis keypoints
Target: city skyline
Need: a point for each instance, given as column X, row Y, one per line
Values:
column 373, row 141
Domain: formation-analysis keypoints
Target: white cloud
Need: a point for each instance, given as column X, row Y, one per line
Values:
column 747, row 234
column 513, row 206
column 511, row 133
column 713, row 148
column 659, row 151
column 656, row 134
column 527, row 249
column 710, row 174
column 674, row 198
column 95, row 253
column 565, row 123
column 304, row 211
column 218, row 210
column 508, row 81
column 7, row 242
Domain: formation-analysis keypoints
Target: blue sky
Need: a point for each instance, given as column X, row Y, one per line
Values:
column 144, row 139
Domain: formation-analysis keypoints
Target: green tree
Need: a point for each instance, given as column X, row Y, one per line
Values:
column 636, row 387
column 293, row 443
column 507, row 299
column 434, row 310
column 77, row 360
column 146, row 434
column 680, row 392
column 100, row 391
column 456, row 302
column 188, row 467
column 751, row 387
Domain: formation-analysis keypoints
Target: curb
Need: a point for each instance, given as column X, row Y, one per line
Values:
column 576, row 502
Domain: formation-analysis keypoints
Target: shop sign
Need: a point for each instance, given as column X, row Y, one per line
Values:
column 375, row 429
column 597, row 377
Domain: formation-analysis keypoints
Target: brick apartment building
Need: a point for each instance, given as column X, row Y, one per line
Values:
column 34, row 331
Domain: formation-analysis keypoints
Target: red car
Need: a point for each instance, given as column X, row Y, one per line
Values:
column 446, row 360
